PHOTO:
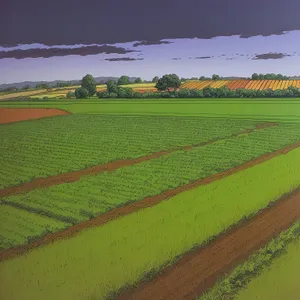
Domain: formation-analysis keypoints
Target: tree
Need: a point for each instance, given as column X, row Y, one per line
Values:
column 88, row 83
column 138, row 80
column 155, row 79
column 81, row 93
column 215, row 77
column 125, row 92
column 123, row 80
column 167, row 82
column 111, row 87
column 254, row 76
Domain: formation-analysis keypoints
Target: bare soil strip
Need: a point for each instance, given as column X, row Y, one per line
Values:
column 197, row 271
column 76, row 175
column 10, row 115
column 136, row 206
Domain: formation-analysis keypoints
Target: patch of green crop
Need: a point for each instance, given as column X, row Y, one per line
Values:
column 40, row 148
column 100, row 261
column 19, row 227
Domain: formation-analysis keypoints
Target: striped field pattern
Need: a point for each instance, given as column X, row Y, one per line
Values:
column 242, row 84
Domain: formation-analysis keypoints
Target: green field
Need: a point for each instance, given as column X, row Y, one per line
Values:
column 124, row 250
column 102, row 260
column 61, row 144
column 95, row 195
column 262, row 109
column 279, row 281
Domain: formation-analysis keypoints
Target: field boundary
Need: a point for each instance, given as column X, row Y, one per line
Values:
column 136, row 206
column 114, row 165
column 198, row 270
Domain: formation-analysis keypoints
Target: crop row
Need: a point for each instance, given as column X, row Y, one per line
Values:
column 56, row 145
column 94, row 195
column 122, row 252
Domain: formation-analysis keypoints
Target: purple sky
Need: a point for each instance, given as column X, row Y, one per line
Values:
column 233, row 38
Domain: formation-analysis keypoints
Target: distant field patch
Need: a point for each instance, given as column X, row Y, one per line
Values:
column 20, row 94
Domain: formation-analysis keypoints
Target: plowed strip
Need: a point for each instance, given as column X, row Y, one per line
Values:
column 133, row 207
column 197, row 271
column 9, row 115
column 76, row 175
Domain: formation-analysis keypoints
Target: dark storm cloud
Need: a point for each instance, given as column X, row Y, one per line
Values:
column 203, row 57
column 270, row 56
column 69, row 22
column 150, row 43
column 45, row 53
column 123, row 59
column 246, row 36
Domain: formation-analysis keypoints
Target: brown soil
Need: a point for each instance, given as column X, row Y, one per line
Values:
column 136, row 206
column 9, row 115
column 76, row 175
column 197, row 271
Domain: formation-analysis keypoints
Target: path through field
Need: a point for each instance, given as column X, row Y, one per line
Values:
column 112, row 166
column 131, row 208
column 10, row 115
column 197, row 271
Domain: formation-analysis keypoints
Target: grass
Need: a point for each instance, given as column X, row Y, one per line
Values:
column 280, row 281
column 61, row 144
column 95, row 195
column 260, row 109
column 19, row 226
column 125, row 250
column 255, row 272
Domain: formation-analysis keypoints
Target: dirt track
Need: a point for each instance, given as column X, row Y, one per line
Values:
column 10, row 115
column 133, row 207
column 76, row 175
column 197, row 271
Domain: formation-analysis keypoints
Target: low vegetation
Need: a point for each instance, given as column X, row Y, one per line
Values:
column 270, row 256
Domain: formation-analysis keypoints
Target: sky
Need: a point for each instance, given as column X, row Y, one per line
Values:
column 64, row 40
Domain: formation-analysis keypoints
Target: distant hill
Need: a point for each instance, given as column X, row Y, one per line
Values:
column 31, row 84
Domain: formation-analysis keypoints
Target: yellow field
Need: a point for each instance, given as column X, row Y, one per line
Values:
column 21, row 94
column 250, row 85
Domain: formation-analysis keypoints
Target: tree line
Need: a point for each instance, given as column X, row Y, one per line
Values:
column 168, row 87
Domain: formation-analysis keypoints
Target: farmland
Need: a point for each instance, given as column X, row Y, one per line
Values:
column 132, row 253
column 113, row 192
column 80, row 200
column 79, row 141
